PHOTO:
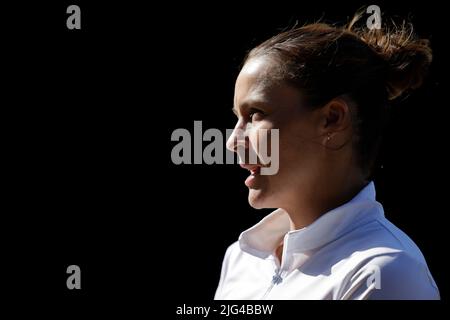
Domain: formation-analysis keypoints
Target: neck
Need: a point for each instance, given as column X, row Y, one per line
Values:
column 309, row 208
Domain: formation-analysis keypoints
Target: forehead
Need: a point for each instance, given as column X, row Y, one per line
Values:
column 259, row 84
column 253, row 80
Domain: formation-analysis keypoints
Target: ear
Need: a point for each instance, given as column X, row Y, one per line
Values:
column 336, row 117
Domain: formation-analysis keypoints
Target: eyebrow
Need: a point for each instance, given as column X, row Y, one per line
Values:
column 249, row 105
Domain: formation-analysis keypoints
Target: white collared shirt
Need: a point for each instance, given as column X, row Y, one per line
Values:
column 351, row 252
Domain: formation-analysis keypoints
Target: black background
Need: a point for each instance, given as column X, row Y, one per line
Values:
column 88, row 119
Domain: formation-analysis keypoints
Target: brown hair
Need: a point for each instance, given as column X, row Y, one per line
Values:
column 371, row 67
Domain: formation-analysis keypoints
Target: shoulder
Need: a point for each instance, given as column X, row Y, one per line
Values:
column 396, row 275
column 404, row 276
column 233, row 253
column 230, row 255
column 232, row 250
column 377, row 238
column 384, row 263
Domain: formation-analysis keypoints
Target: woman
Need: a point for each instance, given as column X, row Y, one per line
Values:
column 327, row 90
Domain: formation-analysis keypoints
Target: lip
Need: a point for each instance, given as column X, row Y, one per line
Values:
column 254, row 174
column 253, row 168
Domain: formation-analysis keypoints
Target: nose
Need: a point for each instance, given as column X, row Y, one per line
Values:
column 238, row 138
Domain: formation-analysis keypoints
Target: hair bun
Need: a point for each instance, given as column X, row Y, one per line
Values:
column 407, row 57
column 408, row 66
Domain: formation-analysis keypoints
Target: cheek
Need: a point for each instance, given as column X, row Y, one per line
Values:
column 260, row 139
column 296, row 145
column 291, row 135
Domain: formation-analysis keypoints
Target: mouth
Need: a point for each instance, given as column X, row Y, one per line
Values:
column 253, row 168
column 254, row 173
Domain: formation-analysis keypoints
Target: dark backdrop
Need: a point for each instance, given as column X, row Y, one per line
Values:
column 89, row 115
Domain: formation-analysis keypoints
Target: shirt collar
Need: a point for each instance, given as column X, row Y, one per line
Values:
column 262, row 239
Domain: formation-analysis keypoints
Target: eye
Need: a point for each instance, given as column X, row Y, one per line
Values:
column 255, row 115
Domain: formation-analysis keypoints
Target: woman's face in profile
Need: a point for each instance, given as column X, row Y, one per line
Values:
column 260, row 103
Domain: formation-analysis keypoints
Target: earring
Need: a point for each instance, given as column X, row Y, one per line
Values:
column 328, row 136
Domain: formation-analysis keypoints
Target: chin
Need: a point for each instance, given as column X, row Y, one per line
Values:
column 258, row 199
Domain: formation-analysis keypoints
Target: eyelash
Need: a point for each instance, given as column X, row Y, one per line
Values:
column 253, row 112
